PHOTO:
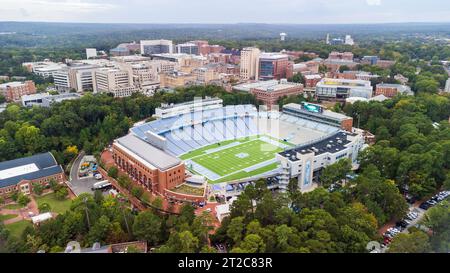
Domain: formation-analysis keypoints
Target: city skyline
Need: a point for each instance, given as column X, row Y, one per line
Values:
column 232, row 11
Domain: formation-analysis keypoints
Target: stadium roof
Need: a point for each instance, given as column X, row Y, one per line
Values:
column 147, row 152
column 332, row 144
column 28, row 168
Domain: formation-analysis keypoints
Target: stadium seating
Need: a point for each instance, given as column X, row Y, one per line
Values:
column 191, row 131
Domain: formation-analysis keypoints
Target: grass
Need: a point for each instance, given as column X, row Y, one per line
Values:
column 12, row 206
column 202, row 150
column 4, row 217
column 16, row 229
column 243, row 174
column 183, row 188
column 58, row 206
column 226, row 161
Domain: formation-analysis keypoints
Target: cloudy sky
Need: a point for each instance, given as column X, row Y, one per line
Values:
column 226, row 11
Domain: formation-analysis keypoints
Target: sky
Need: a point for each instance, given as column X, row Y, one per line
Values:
column 226, row 11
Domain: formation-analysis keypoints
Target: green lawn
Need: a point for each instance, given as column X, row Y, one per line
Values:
column 16, row 229
column 239, row 157
column 12, row 206
column 202, row 150
column 183, row 188
column 243, row 174
column 56, row 205
column 4, row 217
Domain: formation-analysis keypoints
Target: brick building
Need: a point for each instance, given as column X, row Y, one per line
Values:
column 270, row 94
column 147, row 165
column 274, row 66
column 13, row 91
column 20, row 174
column 391, row 90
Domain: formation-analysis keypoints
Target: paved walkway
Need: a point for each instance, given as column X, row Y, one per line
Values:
column 22, row 213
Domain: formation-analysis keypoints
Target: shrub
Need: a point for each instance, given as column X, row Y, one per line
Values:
column 137, row 192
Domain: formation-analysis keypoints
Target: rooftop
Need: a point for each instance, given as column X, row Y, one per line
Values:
column 327, row 113
column 332, row 144
column 272, row 56
column 28, row 168
column 147, row 152
column 344, row 82
column 11, row 84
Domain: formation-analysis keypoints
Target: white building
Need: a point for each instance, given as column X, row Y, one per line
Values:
column 91, row 53
column 349, row 40
column 182, row 108
column 77, row 76
column 116, row 81
column 44, row 69
column 249, row 63
column 149, row 47
column 305, row 162
column 341, row 89
column 188, row 48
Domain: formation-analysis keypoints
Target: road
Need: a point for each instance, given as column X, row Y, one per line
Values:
column 80, row 185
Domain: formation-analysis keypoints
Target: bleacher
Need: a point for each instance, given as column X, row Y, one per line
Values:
column 191, row 131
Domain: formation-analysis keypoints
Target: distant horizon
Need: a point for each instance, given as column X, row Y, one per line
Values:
column 220, row 12
column 233, row 23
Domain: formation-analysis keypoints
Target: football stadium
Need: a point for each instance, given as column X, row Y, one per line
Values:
column 228, row 143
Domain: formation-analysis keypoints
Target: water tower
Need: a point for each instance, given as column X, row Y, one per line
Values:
column 283, row 36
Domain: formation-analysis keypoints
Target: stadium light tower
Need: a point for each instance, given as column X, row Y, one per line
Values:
column 283, row 36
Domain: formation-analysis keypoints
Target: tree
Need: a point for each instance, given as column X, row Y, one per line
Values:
column 38, row 189
column 44, row 207
column 438, row 220
column 124, row 181
column 416, row 242
column 298, row 78
column 343, row 68
column 189, row 243
column 335, row 172
column 62, row 193
column 23, row 200
column 380, row 196
column 252, row 243
column 137, row 191
column 147, row 227
column 236, row 229
column 100, row 230
column 113, row 172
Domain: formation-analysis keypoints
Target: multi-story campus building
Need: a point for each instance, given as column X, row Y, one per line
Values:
column 13, row 91
column 149, row 47
column 391, row 90
column 340, row 89
column 270, row 94
column 317, row 113
column 20, row 174
column 173, row 110
column 78, row 77
column 46, row 100
column 116, row 81
column 154, row 169
column 305, row 162
column 274, row 66
column 249, row 63
column 188, row 48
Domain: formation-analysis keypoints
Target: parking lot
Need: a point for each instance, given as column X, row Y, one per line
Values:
column 413, row 218
column 84, row 184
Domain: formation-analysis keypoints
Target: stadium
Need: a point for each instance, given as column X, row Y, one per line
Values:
column 232, row 142
column 203, row 141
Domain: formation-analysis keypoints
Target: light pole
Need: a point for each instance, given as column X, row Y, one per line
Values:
column 87, row 214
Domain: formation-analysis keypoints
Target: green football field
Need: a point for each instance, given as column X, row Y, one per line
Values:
column 230, row 163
